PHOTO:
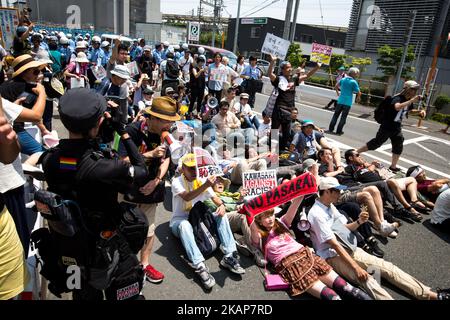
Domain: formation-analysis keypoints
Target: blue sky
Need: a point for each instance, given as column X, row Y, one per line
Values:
column 335, row 12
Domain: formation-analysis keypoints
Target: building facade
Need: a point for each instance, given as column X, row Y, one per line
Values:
column 374, row 23
column 252, row 33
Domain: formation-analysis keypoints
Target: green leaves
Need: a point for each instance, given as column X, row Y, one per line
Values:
column 389, row 61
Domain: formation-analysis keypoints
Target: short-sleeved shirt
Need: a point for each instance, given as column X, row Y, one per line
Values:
column 363, row 174
column 393, row 118
column 286, row 92
column 180, row 185
column 253, row 73
column 224, row 123
column 197, row 84
column 303, row 142
column 213, row 84
column 322, row 219
column 441, row 211
column 348, row 86
column 280, row 246
column 11, row 175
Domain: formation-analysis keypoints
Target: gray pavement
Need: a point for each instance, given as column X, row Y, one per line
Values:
column 419, row 250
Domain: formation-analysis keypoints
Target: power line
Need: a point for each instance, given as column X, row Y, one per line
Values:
column 258, row 5
column 274, row 1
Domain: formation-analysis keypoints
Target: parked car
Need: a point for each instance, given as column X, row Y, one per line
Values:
column 112, row 37
column 211, row 51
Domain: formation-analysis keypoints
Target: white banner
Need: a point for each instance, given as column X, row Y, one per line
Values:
column 9, row 21
column 257, row 183
column 276, row 46
column 133, row 68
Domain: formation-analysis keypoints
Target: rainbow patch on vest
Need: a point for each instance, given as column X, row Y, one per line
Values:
column 68, row 164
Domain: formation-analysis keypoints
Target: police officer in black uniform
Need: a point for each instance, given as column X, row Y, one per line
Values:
column 78, row 170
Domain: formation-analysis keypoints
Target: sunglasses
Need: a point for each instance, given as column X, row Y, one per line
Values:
column 356, row 155
column 36, row 72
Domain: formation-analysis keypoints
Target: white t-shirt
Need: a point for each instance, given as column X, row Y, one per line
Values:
column 264, row 129
column 178, row 204
column 244, row 110
column 441, row 211
column 185, row 64
column 11, row 175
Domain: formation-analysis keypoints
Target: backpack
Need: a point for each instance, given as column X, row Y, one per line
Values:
column 380, row 111
column 205, row 229
column 172, row 69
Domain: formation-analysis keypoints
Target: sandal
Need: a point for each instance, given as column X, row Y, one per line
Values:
column 423, row 210
column 414, row 215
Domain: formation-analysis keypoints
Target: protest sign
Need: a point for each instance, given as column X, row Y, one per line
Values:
column 321, row 53
column 9, row 21
column 257, row 183
column 206, row 165
column 218, row 74
column 300, row 186
column 184, row 128
column 276, row 46
column 99, row 72
column 133, row 68
column 76, row 83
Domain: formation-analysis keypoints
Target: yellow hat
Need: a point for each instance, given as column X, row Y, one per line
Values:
column 164, row 108
column 189, row 160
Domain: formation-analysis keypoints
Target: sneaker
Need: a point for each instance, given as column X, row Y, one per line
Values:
column 232, row 264
column 443, row 294
column 153, row 275
column 387, row 228
column 207, row 279
column 243, row 249
column 259, row 258
column 393, row 234
column 375, row 249
column 395, row 170
column 391, row 219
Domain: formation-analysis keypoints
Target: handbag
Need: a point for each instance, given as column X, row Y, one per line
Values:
column 273, row 282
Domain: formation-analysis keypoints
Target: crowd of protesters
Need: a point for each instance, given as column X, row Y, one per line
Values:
column 118, row 119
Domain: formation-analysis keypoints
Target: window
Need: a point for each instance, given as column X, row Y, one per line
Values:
column 339, row 44
column 255, row 33
column 306, row 38
column 331, row 42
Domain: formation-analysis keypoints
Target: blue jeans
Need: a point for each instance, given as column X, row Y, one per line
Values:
column 340, row 108
column 251, row 123
column 28, row 144
column 182, row 229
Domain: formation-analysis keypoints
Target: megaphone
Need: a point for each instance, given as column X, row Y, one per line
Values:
column 177, row 150
column 303, row 224
column 212, row 102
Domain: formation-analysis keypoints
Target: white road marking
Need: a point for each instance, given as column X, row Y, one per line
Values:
column 432, row 152
column 415, row 164
column 422, row 137
column 406, row 142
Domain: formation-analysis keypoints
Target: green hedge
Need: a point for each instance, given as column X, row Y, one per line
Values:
column 440, row 117
column 441, row 101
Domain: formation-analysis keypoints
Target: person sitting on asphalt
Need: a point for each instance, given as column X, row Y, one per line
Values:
column 368, row 196
column 302, row 269
column 333, row 241
column 429, row 188
column 228, row 125
column 238, row 221
column 244, row 112
column 187, row 190
column 440, row 216
column 365, row 172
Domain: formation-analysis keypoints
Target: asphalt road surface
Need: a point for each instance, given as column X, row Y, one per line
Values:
column 419, row 250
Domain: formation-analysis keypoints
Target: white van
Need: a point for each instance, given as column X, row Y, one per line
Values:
column 112, row 37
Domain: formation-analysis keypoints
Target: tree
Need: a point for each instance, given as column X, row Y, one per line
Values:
column 294, row 55
column 360, row 63
column 389, row 61
column 206, row 37
column 337, row 61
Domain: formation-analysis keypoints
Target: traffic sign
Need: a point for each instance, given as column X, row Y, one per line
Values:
column 193, row 31
column 254, row 21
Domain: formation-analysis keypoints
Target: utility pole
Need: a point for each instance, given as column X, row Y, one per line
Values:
column 236, row 27
column 437, row 43
column 409, row 30
column 287, row 19
column 294, row 22
column 213, row 42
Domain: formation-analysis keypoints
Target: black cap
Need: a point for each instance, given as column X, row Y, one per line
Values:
column 148, row 91
column 80, row 109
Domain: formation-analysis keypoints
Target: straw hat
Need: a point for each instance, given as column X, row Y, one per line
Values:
column 24, row 62
column 164, row 108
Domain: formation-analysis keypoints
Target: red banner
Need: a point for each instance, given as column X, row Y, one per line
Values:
column 300, row 186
